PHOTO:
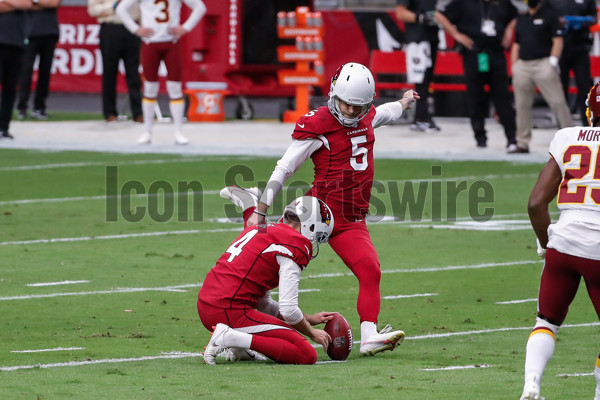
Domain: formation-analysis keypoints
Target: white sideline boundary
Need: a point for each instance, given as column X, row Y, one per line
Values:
column 176, row 355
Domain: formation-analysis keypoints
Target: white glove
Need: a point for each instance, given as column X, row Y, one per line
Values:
column 540, row 250
column 554, row 62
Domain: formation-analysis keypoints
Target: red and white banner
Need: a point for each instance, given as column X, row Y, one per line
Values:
column 77, row 63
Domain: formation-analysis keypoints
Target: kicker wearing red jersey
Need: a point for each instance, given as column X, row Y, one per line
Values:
column 573, row 242
column 235, row 296
column 346, row 190
column 339, row 138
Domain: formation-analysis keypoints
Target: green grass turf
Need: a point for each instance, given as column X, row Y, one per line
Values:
column 66, row 116
column 415, row 259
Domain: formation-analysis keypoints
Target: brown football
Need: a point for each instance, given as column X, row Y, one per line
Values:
column 341, row 337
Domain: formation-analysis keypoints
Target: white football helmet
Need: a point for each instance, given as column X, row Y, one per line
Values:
column 354, row 84
column 316, row 218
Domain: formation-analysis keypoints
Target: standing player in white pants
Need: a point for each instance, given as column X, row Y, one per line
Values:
column 160, row 30
column 572, row 175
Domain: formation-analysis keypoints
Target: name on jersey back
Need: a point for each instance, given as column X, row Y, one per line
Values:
column 589, row 135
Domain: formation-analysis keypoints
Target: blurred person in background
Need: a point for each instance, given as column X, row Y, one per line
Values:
column 160, row 29
column 484, row 29
column 41, row 32
column 116, row 44
column 421, row 30
column 12, row 41
column 535, row 55
column 576, row 16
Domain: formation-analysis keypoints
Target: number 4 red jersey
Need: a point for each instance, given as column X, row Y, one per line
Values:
column 343, row 164
column 249, row 267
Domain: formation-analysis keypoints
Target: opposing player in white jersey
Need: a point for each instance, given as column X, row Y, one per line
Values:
column 160, row 30
column 572, row 244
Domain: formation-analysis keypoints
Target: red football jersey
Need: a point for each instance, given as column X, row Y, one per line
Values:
column 249, row 267
column 344, row 164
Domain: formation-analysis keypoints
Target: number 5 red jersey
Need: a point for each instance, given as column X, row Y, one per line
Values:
column 343, row 164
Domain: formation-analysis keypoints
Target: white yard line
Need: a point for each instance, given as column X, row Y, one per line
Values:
column 47, row 350
column 516, row 301
column 42, row 284
column 124, row 236
column 207, row 192
column 456, row 367
column 406, row 296
column 576, row 374
column 178, row 288
column 102, row 361
column 102, row 197
column 431, row 269
column 176, row 354
column 120, row 163
column 476, row 332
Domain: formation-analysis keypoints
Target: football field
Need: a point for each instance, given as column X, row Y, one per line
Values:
column 102, row 255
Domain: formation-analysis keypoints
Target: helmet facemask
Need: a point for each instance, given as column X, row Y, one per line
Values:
column 334, row 107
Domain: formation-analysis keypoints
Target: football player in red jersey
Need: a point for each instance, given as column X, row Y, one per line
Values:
column 339, row 138
column 573, row 243
column 235, row 296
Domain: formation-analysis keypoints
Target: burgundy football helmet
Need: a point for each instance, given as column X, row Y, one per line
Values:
column 593, row 104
